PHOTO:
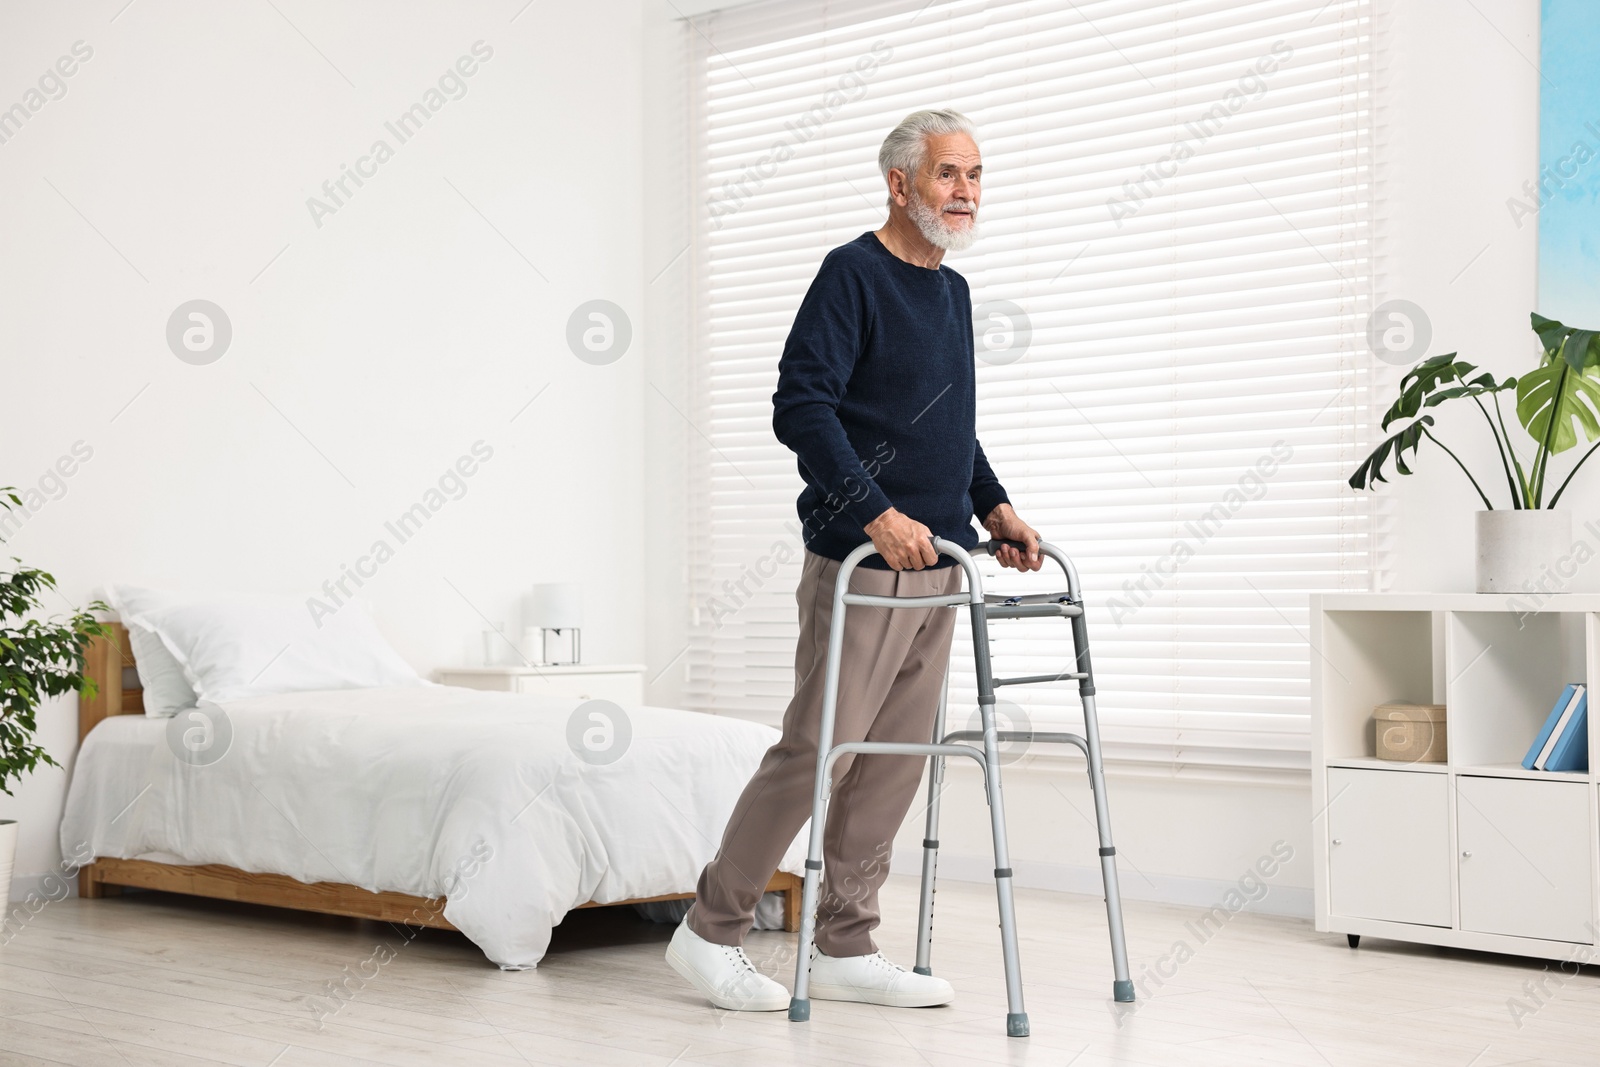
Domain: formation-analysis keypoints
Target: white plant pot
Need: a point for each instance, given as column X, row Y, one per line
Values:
column 1515, row 547
column 8, row 855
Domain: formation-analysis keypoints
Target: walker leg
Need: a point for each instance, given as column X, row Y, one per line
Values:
column 1122, row 984
column 1016, row 1013
column 799, row 1002
column 930, row 842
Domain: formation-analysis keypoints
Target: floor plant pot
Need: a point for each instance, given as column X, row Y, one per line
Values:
column 1514, row 547
column 8, row 855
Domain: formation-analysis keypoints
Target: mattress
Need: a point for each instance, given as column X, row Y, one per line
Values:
column 428, row 790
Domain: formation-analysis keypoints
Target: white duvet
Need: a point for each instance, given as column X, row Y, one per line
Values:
column 432, row 791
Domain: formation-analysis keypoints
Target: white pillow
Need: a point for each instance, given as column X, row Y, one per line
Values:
column 230, row 646
column 166, row 690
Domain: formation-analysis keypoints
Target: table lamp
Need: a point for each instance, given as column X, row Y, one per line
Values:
column 554, row 606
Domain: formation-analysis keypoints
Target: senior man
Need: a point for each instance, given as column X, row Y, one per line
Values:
column 876, row 399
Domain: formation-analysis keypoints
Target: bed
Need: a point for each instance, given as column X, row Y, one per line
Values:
column 372, row 803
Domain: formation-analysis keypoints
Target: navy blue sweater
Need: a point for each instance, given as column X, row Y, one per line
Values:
column 876, row 397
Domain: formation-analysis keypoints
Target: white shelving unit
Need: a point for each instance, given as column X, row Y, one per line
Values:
column 1476, row 852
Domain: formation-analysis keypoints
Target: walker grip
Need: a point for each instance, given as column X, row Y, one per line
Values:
column 1020, row 546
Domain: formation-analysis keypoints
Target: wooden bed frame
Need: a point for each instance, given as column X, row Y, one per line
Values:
column 110, row 665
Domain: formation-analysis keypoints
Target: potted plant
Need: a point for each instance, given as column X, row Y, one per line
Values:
column 1554, row 402
column 38, row 659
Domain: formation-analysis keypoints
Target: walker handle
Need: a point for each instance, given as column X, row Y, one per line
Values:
column 996, row 542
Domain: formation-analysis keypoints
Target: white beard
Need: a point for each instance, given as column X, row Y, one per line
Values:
column 937, row 232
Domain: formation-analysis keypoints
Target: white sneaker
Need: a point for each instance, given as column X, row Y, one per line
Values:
column 723, row 973
column 875, row 980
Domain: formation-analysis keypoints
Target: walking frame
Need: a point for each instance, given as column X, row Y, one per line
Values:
column 1068, row 605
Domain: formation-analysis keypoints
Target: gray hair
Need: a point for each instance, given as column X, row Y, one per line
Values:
column 906, row 147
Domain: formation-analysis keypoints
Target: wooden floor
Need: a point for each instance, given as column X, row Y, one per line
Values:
column 153, row 979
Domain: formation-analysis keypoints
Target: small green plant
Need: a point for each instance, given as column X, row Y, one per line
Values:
column 38, row 659
column 1555, row 401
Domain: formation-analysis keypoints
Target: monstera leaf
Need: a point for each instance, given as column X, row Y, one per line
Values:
column 1578, row 393
column 1557, row 403
column 1397, row 445
column 1428, row 384
column 1421, row 387
column 1576, row 346
column 1560, row 398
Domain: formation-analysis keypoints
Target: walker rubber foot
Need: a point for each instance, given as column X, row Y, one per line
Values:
column 922, row 970
column 1017, row 1024
column 799, row 1010
column 1122, row 992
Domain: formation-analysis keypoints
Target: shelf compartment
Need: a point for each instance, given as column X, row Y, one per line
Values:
column 1368, row 658
column 1503, row 671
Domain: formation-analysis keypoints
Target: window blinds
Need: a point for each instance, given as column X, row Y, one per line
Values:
column 1170, row 291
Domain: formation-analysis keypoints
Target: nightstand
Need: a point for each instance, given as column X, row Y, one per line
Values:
column 621, row 683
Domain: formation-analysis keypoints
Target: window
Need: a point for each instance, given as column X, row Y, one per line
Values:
column 1170, row 291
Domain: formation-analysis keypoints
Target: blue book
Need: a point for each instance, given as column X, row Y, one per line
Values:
column 1572, row 750
column 1561, row 727
column 1549, row 726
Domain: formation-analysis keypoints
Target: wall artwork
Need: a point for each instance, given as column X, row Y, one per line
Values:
column 1566, row 198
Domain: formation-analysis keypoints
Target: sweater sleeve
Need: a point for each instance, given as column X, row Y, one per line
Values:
column 987, row 492
column 827, row 338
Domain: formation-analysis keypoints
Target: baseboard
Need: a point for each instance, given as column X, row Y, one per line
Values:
column 50, row 886
column 31, row 894
column 1292, row 901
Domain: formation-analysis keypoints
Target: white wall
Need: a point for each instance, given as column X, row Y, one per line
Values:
column 405, row 328
column 1461, row 125
column 668, row 301
column 372, row 352
column 1460, row 122
column 1463, row 145
column 1464, row 138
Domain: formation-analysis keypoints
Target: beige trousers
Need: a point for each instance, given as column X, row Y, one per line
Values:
column 891, row 672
